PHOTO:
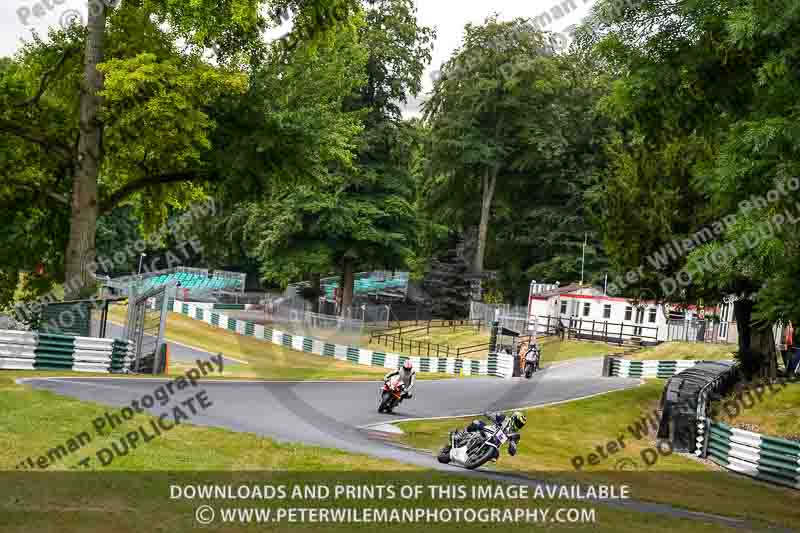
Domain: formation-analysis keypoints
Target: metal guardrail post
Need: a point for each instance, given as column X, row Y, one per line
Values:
column 170, row 292
column 607, row 366
column 493, row 337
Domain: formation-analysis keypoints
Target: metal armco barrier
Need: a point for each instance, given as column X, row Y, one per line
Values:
column 23, row 350
column 752, row 454
column 626, row 368
column 498, row 365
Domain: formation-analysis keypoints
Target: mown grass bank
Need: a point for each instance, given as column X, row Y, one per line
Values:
column 264, row 359
column 771, row 410
column 137, row 491
column 558, row 438
column 678, row 350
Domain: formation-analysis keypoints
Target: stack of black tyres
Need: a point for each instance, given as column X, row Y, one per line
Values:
column 688, row 395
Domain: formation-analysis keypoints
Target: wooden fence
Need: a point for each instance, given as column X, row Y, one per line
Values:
column 600, row 330
column 394, row 338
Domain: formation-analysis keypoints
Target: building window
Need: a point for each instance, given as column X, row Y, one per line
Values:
column 564, row 307
column 586, row 308
column 628, row 312
column 652, row 316
column 607, row 311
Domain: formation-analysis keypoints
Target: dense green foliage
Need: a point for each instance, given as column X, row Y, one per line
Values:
column 705, row 111
column 358, row 213
column 656, row 140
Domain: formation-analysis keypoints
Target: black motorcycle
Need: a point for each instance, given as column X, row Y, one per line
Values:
column 472, row 449
column 532, row 357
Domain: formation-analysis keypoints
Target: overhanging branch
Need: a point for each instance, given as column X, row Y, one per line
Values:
column 40, row 190
column 35, row 136
column 137, row 185
column 49, row 73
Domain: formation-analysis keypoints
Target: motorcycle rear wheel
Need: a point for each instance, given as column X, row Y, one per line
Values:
column 444, row 455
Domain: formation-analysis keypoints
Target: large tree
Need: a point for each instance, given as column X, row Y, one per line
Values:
column 359, row 215
column 98, row 114
column 706, row 119
column 493, row 116
column 542, row 224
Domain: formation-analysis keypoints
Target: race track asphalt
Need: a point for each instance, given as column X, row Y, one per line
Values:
column 334, row 414
column 342, row 415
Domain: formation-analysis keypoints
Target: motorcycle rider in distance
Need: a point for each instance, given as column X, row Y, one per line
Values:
column 407, row 375
column 532, row 357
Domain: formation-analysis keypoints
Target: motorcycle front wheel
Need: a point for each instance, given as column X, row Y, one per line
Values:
column 391, row 403
column 382, row 406
column 480, row 457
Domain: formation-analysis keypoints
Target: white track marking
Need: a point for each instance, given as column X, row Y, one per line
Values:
column 369, row 426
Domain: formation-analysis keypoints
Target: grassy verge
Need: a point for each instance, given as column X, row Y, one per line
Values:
column 331, row 334
column 134, row 493
column 674, row 351
column 776, row 413
column 34, row 421
column 264, row 359
column 555, row 350
column 458, row 337
column 555, row 435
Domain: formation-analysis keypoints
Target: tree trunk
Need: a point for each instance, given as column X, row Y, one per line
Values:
column 487, row 195
column 743, row 310
column 347, row 287
column 756, row 341
column 316, row 287
column 84, row 206
column 762, row 342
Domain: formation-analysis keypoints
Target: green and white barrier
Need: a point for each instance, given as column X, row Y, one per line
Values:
column 626, row 368
column 25, row 350
column 765, row 458
column 499, row 365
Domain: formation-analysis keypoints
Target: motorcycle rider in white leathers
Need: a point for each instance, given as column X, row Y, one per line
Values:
column 407, row 375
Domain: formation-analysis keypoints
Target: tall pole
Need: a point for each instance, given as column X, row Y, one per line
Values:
column 605, row 284
column 583, row 255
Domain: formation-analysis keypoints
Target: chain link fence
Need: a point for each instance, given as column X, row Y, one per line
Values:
column 510, row 316
column 701, row 331
column 296, row 315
